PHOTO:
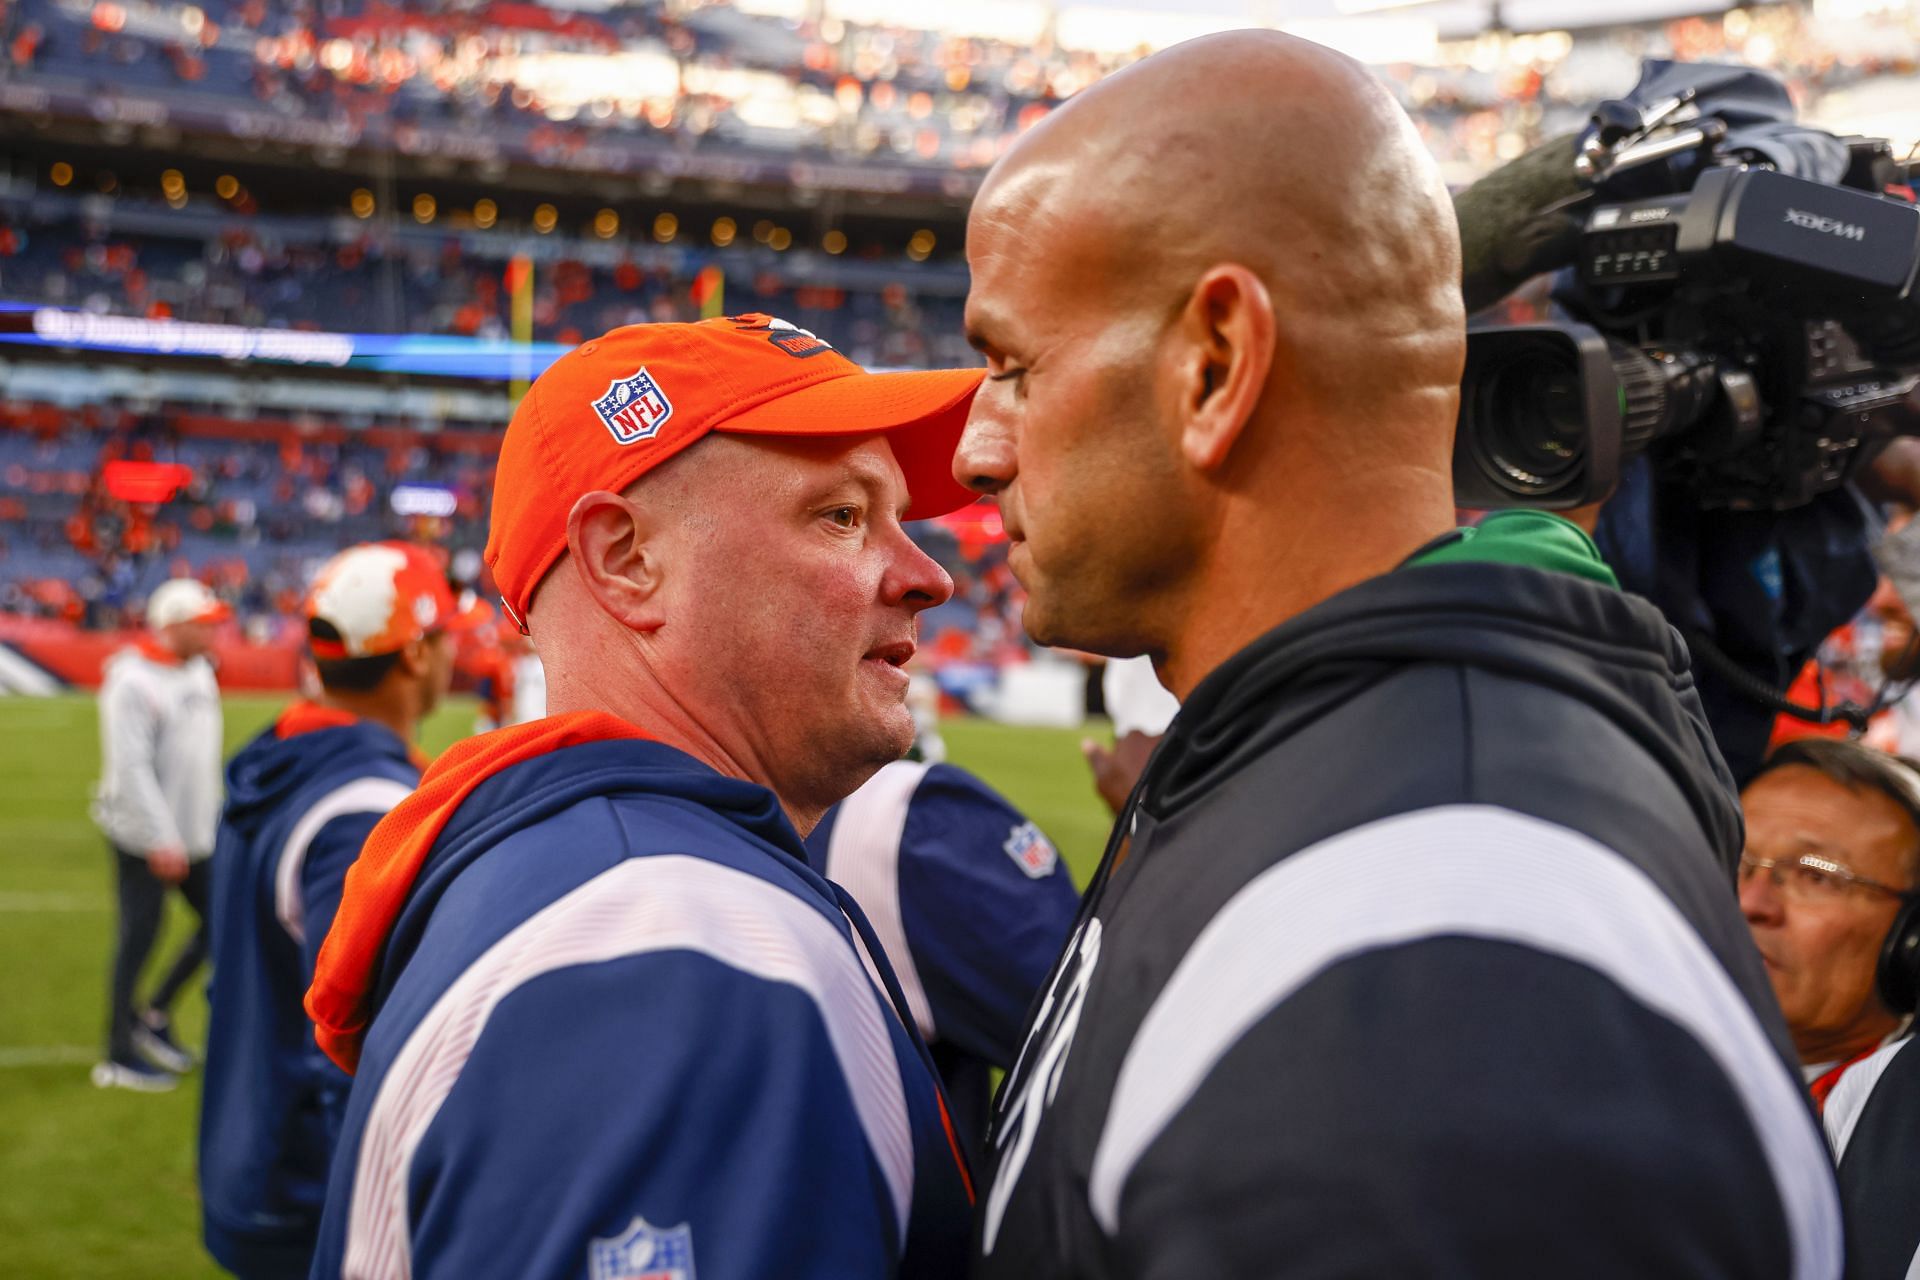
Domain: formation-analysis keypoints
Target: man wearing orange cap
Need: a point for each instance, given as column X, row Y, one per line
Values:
column 157, row 803
column 605, row 1018
column 301, row 798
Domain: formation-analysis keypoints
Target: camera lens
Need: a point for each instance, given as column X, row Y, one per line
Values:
column 1531, row 414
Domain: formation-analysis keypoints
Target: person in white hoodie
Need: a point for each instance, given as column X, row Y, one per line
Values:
column 158, row 804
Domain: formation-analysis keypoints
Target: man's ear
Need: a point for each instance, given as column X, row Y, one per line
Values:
column 1228, row 329
column 414, row 659
column 611, row 544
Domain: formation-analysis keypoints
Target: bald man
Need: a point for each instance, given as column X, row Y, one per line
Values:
column 1416, row 951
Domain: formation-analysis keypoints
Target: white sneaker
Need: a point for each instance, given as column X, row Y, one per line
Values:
column 132, row 1075
column 153, row 1037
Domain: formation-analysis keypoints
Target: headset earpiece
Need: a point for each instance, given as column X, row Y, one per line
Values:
column 1897, row 977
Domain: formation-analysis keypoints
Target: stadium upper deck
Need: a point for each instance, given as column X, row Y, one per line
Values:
column 716, row 92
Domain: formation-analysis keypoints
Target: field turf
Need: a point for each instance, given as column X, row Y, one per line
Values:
column 101, row 1183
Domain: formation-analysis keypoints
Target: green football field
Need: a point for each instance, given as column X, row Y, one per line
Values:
column 101, row 1183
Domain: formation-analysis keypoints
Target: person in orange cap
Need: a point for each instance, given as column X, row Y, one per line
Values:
column 605, row 1017
column 301, row 798
column 157, row 803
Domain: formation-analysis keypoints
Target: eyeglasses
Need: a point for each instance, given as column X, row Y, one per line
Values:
column 1812, row 879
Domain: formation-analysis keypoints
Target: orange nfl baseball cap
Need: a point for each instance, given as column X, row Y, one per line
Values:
column 612, row 409
column 376, row 598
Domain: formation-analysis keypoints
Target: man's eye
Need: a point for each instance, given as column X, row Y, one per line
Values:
column 1007, row 375
column 1813, row 878
column 845, row 517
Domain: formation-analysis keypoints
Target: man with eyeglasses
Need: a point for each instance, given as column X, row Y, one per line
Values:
column 1833, row 838
column 1828, row 883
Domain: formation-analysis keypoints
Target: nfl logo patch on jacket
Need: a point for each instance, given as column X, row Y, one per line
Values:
column 643, row 1252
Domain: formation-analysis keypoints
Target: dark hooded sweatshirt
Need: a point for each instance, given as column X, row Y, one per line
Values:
column 1416, row 953
column 299, row 805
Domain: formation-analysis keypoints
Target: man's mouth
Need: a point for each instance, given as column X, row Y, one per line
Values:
column 897, row 654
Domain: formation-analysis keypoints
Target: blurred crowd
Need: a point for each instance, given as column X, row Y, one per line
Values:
column 260, row 504
column 267, row 274
column 257, row 507
column 712, row 75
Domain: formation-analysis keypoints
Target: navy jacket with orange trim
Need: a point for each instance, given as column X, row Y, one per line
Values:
column 622, row 1027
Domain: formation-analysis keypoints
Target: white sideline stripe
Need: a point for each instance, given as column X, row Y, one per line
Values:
column 669, row 902
column 1461, row 871
column 362, row 795
column 863, row 857
column 19, row 674
column 46, row 1055
column 30, row 902
column 1849, row 1097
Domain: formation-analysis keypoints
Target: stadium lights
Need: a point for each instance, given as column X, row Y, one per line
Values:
column 485, row 213
column 173, row 183
column 545, row 218
column 921, row 245
column 834, row 242
column 226, row 186
column 424, row 208
column 61, row 173
column 723, row 232
column 763, row 231
column 606, row 224
column 665, row 227
column 362, row 203
column 780, row 240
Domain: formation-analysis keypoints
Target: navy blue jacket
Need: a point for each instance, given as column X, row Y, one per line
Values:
column 622, row 1027
column 298, row 810
column 971, row 903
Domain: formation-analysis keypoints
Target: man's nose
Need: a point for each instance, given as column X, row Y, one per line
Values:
column 985, row 462
column 1760, row 900
column 915, row 578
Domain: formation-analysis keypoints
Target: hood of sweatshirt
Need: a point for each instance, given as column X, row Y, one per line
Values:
column 1577, row 635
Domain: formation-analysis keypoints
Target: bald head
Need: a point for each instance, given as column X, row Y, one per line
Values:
column 1269, row 151
column 1223, row 286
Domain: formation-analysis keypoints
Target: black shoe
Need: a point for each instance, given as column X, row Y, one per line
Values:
column 153, row 1037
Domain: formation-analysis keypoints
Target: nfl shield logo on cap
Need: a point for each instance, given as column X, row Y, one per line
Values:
column 643, row 1252
column 634, row 407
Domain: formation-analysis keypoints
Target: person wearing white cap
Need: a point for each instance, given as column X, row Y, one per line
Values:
column 158, row 803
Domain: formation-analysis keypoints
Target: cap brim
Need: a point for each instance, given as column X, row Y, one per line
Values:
column 921, row 413
column 219, row 611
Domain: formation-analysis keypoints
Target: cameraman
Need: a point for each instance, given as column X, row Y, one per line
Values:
column 1414, row 953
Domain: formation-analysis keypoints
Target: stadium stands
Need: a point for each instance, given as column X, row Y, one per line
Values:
column 710, row 156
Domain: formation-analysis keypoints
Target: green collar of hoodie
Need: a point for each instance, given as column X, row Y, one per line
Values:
column 1537, row 539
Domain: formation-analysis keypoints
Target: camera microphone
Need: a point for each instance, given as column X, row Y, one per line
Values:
column 1519, row 221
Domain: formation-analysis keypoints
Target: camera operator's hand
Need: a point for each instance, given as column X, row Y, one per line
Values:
column 1894, row 473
